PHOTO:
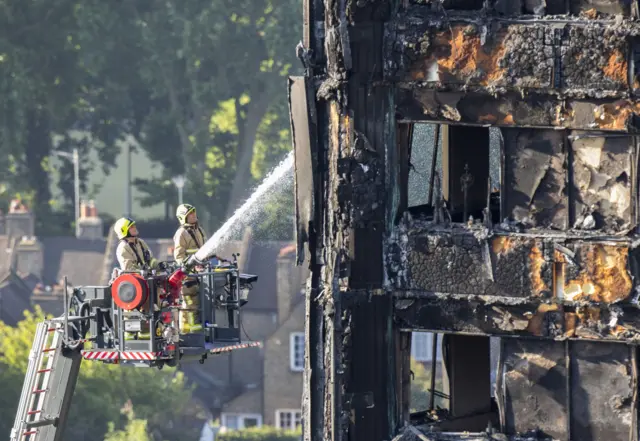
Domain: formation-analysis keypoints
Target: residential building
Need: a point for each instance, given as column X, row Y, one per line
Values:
column 277, row 402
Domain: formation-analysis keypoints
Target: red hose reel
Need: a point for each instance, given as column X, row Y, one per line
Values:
column 130, row 291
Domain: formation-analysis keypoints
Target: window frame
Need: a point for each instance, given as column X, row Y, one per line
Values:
column 241, row 416
column 292, row 352
column 292, row 413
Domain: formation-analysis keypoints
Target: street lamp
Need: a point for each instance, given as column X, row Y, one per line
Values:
column 179, row 182
column 75, row 157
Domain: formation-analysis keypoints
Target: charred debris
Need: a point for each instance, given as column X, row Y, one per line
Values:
column 536, row 250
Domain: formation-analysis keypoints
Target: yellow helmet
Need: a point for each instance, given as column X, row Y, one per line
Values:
column 183, row 211
column 122, row 227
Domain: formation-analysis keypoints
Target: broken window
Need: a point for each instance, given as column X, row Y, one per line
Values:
column 556, row 7
column 453, row 168
column 635, row 59
column 463, row 385
column 423, row 365
column 424, row 166
column 465, row 171
column 535, row 178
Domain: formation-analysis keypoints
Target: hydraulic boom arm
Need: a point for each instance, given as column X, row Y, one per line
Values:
column 131, row 321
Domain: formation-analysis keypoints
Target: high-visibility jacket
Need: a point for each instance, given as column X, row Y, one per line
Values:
column 133, row 256
column 187, row 240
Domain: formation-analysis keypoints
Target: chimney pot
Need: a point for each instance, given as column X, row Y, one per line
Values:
column 94, row 209
column 84, row 212
column 17, row 206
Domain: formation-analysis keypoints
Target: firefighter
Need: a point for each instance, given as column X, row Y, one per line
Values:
column 133, row 253
column 187, row 240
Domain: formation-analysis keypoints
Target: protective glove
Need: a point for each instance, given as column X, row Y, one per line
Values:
column 153, row 263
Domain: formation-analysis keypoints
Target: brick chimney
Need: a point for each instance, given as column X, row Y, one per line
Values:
column 90, row 226
column 20, row 226
column 29, row 256
column 19, row 221
column 289, row 282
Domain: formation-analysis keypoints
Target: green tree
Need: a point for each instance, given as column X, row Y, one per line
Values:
column 48, row 89
column 135, row 429
column 161, row 398
column 217, row 71
column 200, row 85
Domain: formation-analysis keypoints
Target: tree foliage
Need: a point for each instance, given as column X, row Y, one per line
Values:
column 161, row 398
column 135, row 429
column 200, row 85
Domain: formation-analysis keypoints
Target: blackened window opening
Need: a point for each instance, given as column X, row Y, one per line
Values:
column 463, row 5
column 455, row 173
column 635, row 59
column 465, row 172
column 464, row 373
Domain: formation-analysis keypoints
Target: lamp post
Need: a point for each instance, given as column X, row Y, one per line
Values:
column 127, row 196
column 179, row 182
column 75, row 157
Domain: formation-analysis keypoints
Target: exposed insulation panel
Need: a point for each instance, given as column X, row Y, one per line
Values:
column 460, row 54
column 589, row 60
column 602, row 183
column 535, row 178
column 486, row 315
column 600, row 274
column 535, row 387
column 422, row 257
column 419, row 104
column 594, row 58
column 463, row 263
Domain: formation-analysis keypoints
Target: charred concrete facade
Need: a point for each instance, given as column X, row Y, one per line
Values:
column 547, row 259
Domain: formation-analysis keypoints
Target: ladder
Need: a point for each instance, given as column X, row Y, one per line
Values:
column 48, row 385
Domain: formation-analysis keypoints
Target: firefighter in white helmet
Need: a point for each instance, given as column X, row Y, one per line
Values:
column 188, row 239
column 133, row 253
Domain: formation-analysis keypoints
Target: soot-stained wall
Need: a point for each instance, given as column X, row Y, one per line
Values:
column 535, row 178
column 602, row 183
column 568, row 390
column 424, row 257
column 575, row 71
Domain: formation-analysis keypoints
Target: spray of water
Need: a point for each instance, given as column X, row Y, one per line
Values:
column 249, row 210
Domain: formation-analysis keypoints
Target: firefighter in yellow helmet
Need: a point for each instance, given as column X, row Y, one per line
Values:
column 188, row 239
column 133, row 253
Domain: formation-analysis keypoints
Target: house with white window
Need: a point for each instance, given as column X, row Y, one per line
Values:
column 276, row 401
